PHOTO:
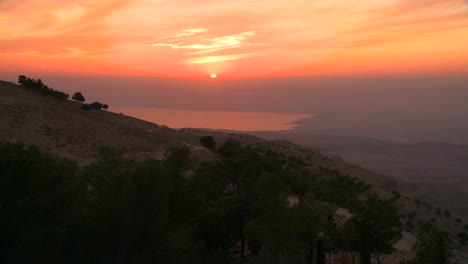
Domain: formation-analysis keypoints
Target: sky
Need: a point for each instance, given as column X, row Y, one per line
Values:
column 241, row 38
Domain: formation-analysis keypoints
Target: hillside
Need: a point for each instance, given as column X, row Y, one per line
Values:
column 435, row 172
column 64, row 129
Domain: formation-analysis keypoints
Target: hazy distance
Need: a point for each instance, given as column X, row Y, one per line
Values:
column 405, row 108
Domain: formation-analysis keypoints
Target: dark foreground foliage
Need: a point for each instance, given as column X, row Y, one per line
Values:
column 174, row 211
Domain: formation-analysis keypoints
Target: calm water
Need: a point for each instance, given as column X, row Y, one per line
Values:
column 228, row 120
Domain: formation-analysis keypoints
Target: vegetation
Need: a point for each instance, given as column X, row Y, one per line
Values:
column 78, row 97
column 85, row 107
column 377, row 224
column 38, row 85
column 95, row 106
column 432, row 248
column 208, row 142
column 175, row 211
column 462, row 238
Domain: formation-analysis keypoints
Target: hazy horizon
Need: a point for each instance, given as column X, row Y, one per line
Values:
column 401, row 108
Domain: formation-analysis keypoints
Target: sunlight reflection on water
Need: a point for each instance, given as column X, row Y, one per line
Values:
column 227, row 120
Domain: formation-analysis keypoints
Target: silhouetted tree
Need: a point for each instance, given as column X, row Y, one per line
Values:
column 208, row 142
column 320, row 256
column 378, row 224
column 78, row 97
column 98, row 106
column 39, row 86
column 22, row 79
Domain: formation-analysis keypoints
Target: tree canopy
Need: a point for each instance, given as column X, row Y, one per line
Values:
column 78, row 97
column 38, row 85
column 173, row 210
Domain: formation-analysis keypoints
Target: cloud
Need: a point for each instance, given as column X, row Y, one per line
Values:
column 223, row 42
column 213, row 59
column 190, row 32
column 194, row 32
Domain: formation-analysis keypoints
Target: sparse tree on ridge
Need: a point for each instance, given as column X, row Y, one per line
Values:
column 78, row 97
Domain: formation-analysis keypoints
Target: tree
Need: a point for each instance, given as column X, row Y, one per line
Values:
column 208, row 142
column 22, row 79
column 330, row 237
column 349, row 239
column 96, row 105
column 39, row 86
column 378, row 224
column 320, row 257
column 78, row 97
column 432, row 247
column 40, row 206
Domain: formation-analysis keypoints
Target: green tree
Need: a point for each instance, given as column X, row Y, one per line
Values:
column 78, row 97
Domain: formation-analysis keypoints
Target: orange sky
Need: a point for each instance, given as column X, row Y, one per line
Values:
column 193, row 38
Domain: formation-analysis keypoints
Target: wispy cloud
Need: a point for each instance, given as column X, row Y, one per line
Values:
column 190, row 32
column 231, row 41
column 213, row 59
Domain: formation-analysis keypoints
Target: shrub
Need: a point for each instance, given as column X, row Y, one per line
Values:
column 78, row 97
column 208, row 142
column 98, row 106
column 462, row 238
column 85, row 107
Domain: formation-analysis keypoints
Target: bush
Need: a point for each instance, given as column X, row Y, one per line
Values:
column 462, row 238
column 432, row 247
column 98, row 106
column 410, row 224
column 85, row 107
column 78, row 97
column 208, row 142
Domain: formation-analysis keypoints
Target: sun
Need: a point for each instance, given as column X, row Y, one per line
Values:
column 213, row 76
